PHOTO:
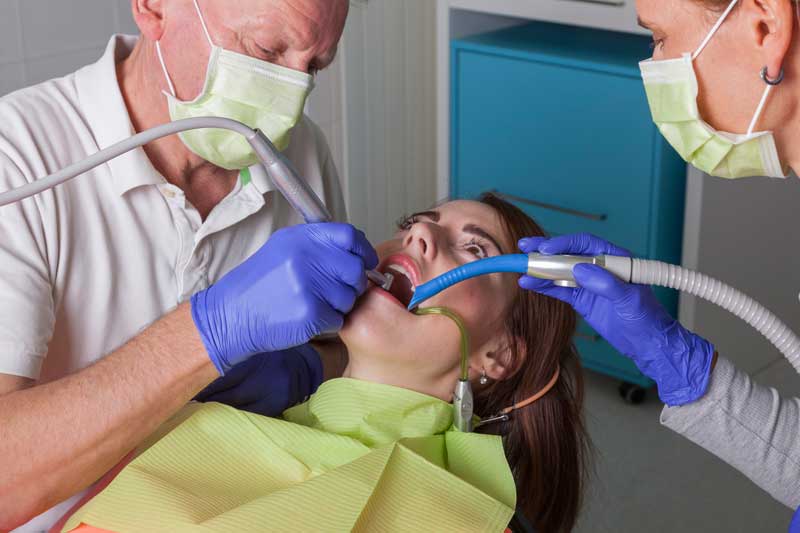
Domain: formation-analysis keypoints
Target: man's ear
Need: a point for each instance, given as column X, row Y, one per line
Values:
column 773, row 24
column 149, row 17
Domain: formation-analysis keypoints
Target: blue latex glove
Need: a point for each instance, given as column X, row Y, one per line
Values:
column 794, row 527
column 630, row 318
column 300, row 284
column 268, row 383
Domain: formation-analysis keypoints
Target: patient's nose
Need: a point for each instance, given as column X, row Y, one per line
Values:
column 421, row 237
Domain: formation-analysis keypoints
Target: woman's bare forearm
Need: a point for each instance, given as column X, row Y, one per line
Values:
column 57, row 439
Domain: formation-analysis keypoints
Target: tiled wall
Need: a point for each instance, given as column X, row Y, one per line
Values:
column 42, row 39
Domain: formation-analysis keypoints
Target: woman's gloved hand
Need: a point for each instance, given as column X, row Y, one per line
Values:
column 630, row 318
column 268, row 383
column 794, row 527
column 300, row 284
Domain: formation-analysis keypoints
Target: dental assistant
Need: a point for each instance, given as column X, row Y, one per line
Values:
column 125, row 293
column 718, row 66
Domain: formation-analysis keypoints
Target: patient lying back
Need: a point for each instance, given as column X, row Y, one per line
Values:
column 375, row 449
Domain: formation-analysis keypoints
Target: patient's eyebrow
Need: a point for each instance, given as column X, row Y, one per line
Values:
column 432, row 215
column 480, row 232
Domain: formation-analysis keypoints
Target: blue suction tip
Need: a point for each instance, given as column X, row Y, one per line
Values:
column 422, row 293
column 517, row 263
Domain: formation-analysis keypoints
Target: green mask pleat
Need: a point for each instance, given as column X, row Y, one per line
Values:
column 257, row 93
column 671, row 88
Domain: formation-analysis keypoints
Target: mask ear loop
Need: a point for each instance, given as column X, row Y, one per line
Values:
column 161, row 56
column 771, row 82
column 164, row 68
column 203, row 23
column 714, row 28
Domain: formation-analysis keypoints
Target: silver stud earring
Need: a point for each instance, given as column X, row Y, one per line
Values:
column 483, row 380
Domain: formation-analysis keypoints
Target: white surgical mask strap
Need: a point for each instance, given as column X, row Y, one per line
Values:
column 203, row 23
column 164, row 68
column 161, row 56
column 759, row 109
column 710, row 33
column 703, row 44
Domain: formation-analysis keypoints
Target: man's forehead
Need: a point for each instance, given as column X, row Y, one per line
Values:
column 311, row 11
column 312, row 23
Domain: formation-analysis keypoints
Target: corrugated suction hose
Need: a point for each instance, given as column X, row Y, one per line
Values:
column 674, row 277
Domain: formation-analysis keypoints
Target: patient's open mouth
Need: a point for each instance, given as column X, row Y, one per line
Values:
column 402, row 288
column 405, row 274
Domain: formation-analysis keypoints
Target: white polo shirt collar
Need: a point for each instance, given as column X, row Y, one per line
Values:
column 107, row 115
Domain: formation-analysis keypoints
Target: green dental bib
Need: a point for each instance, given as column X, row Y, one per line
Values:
column 357, row 456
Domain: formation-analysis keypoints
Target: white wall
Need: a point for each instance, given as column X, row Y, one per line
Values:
column 388, row 121
column 42, row 39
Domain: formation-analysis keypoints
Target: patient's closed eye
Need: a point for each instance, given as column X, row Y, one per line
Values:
column 405, row 223
column 476, row 248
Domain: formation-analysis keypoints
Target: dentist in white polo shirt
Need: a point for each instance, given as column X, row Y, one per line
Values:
column 126, row 292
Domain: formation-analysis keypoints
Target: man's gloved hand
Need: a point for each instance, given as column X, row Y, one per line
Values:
column 268, row 383
column 300, row 284
column 630, row 318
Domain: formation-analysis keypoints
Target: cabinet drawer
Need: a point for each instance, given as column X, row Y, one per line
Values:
column 579, row 140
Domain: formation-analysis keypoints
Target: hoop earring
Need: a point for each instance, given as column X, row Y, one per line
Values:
column 771, row 81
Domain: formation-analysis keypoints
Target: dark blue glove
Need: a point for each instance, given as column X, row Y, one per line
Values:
column 630, row 318
column 794, row 527
column 300, row 284
column 268, row 383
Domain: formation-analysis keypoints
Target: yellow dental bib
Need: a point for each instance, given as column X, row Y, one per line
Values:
column 357, row 456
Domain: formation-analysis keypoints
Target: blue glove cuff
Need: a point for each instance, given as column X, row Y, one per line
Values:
column 697, row 371
column 314, row 363
column 199, row 316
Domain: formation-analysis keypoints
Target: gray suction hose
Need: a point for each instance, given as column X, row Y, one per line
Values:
column 297, row 192
column 116, row 150
column 682, row 279
column 657, row 273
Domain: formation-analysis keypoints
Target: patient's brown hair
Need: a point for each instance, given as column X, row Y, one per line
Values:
column 546, row 443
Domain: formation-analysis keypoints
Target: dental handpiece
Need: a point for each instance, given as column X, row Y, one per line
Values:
column 301, row 197
column 557, row 268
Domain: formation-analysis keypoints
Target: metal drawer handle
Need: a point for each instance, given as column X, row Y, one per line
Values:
column 587, row 337
column 583, row 214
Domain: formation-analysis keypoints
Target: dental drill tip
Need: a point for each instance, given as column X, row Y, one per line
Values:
column 384, row 281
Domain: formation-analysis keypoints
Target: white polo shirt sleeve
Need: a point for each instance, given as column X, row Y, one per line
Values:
column 27, row 315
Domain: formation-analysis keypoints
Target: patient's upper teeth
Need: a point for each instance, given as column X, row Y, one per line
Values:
column 401, row 270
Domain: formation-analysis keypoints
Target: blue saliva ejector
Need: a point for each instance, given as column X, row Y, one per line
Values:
column 557, row 268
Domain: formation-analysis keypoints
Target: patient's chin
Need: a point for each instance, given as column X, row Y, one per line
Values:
column 370, row 326
column 358, row 328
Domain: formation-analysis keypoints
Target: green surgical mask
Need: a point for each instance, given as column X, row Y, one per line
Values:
column 257, row 93
column 671, row 87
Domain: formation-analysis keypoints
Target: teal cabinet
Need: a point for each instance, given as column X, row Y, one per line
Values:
column 555, row 118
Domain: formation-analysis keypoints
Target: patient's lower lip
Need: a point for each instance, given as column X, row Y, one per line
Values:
column 386, row 294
